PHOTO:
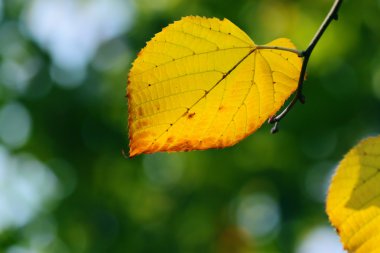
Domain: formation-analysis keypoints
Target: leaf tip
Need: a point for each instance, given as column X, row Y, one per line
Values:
column 132, row 153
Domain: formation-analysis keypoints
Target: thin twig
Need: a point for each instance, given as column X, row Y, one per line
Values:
column 333, row 14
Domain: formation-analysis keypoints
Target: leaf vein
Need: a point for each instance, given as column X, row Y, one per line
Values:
column 218, row 31
column 184, row 57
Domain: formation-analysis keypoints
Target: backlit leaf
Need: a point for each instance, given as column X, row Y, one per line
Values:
column 202, row 83
column 353, row 201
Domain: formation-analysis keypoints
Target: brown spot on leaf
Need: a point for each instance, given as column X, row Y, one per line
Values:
column 137, row 147
column 142, row 135
column 190, row 115
column 140, row 111
column 221, row 108
column 142, row 123
column 138, row 144
column 183, row 146
column 154, row 148
column 208, row 142
column 220, row 144
column 170, row 139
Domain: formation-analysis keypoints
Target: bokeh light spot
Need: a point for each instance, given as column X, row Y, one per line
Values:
column 1, row 10
column 13, row 75
column 163, row 169
column 15, row 125
column 320, row 239
column 112, row 56
column 26, row 186
column 71, row 31
column 19, row 65
column 20, row 249
column 67, row 78
column 258, row 214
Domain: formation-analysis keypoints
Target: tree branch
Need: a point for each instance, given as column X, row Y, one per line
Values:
column 333, row 14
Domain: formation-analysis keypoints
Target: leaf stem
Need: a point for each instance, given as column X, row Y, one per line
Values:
column 333, row 14
column 292, row 50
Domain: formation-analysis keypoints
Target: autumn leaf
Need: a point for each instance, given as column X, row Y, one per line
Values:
column 203, row 83
column 353, row 201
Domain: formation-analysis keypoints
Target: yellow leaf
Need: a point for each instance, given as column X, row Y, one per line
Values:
column 203, row 83
column 353, row 200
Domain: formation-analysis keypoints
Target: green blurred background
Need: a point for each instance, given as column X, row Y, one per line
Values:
column 65, row 185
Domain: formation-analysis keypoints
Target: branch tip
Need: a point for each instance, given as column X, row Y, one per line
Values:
column 305, row 54
column 274, row 129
